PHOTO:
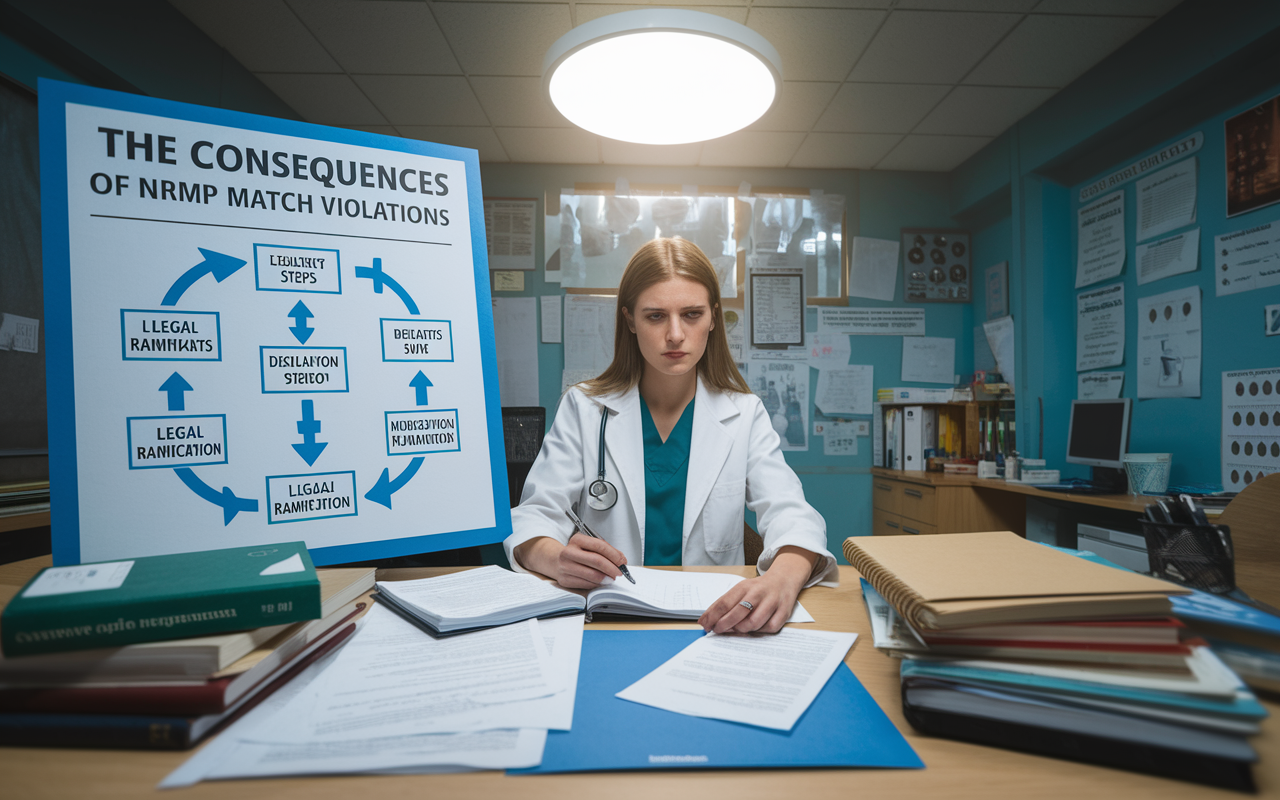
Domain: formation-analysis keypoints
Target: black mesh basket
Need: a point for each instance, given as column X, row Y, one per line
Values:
column 1199, row 556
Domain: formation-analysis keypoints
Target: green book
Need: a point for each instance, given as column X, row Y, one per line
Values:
column 113, row 603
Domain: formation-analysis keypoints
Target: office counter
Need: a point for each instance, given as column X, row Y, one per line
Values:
column 953, row 769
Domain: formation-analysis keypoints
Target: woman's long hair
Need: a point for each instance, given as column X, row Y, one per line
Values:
column 657, row 261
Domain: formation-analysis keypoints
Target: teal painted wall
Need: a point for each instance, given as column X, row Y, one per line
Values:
column 1020, row 195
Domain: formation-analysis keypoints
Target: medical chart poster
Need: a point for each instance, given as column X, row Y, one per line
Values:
column 262, row 330
column 1100, row 328
column 1100, row 243
column 1246, row 259
column 1169, row 334
column 1250, row 426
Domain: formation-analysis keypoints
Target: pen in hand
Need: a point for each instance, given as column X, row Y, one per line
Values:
column 582, row 526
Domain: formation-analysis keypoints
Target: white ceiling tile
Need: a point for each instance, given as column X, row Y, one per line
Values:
column 517, row 103
column 380, row 36
column 263, row 35
column 550, row 145
column 1136, row 8
column 751, row 149
column 326, row 99
column 659, row 155
column 982, row 110
column 1011, row 6
column 917, row 153
column 423, row 99
column 502, row 38
column 930, row 46
column 815, row 44
column 586, row 12
column 1049, row 50
column 797, row 106
column 880, row 107
column 483, row 140
column 843, row 150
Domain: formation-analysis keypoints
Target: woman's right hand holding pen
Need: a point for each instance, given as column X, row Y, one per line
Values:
column 583, row 563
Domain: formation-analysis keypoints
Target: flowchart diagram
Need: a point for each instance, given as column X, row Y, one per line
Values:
column 239, row 375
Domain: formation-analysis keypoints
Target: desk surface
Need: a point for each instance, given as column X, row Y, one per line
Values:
column 953, row 769
column 1123, row 502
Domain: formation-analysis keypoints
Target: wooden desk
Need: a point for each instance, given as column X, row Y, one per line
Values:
column 932, row 502
column 953, row 769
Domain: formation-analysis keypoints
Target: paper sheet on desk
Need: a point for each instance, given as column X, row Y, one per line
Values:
column 673, row 589
column 767, row 681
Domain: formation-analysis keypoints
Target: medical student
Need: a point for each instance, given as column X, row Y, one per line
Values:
column 686, row 446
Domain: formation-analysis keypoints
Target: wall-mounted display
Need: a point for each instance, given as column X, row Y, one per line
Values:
column 935, row 265
column 1253, row 158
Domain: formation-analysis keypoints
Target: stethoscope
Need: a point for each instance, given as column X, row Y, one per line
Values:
column 602, row 495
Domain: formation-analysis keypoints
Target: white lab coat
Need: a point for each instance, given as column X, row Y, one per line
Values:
column 735, row 460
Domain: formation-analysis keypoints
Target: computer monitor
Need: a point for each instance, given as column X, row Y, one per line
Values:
column 1099, row 437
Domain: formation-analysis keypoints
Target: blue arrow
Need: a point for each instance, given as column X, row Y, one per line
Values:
column 381, row 278
column 301, row 314
column 218, row 265
column 231, row 505
column 177, row 388
column 385, row 487
column 421, row 382
column 309, row 426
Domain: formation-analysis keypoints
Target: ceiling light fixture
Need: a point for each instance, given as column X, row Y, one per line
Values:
column 662, row 76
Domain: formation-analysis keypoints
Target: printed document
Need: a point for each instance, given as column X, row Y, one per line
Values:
column 1099, row 385
column 873, row 268
column 1101, row 243
column 928, row 359
column 845, row 390
column 1100, row 327
column 766, row 681
column 1002, row 345
column 1167, row 199
column 551, row 318
column 671, row 594
column 1244, row 260
column 588, row 332
column 514, row 323
column 1164, row 257
column 1169, row 333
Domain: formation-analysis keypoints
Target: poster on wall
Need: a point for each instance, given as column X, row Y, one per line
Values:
column 1246, row 260
column 510, row 226
column 1100, row 239
column 1253, row 170
column 1100, row 328
column 1167, row 199
column 1169, row 334
column 263, row 330
column 783, row 387
column 1165, row 257
column 1250, row 426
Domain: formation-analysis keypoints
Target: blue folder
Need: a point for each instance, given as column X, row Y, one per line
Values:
column 843, row 727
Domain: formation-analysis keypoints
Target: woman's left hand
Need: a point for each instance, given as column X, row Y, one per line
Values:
column 772, row 596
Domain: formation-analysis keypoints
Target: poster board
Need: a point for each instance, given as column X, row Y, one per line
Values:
column 261, row 330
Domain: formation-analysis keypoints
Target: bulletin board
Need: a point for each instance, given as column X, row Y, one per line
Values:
column 262, row 330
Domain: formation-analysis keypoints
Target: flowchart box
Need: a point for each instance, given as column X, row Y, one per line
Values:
column 317, row 495
column 411, row 433
column 417, row 340
column 291, row 370
column 284, row 268
column 170, row 335
column 177, row 441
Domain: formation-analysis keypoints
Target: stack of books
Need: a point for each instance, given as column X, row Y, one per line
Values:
column 1014, row 644
column 1246, row 637
column 60, row 686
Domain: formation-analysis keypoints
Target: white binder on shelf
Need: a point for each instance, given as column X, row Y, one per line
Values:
column 912, row 438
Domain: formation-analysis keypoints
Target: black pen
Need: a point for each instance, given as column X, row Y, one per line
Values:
column 582, row 526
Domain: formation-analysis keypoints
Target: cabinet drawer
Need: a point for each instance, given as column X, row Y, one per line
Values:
column 911, row 527
column 918, row 502
column 886, row 495
column 885, row 524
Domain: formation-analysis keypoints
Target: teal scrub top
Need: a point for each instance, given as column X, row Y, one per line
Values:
column 666, row 473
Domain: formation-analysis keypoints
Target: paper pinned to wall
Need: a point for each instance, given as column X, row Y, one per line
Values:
column 928, row 359
column 1172, row 256
column 508, row 281
column 735, row 332
column 1099, row 385
column 983, row 359
column 840, row 438
column 1167, row 199
column 1169, row 334
column 551, row 318
column 509, row 226
column 19, row 333
column 871, row 321
column 514, row 328
column 588, row 332
column 1250, row 417
column 783, row 387
column 873, row 270
column 1100, row 240
column 845, row 390
column 1247, row 259
column 828, row 350
column 1100, row 328
column 1000, row 339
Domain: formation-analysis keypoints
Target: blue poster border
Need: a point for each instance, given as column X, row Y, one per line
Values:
column 64, row 483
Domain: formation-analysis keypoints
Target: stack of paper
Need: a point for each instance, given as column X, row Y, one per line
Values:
column 1018, row 645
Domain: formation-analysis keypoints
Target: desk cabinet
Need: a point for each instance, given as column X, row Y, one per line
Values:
column 916, row 503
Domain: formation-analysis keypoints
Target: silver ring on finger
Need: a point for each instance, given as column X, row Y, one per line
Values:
column 747, row 605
